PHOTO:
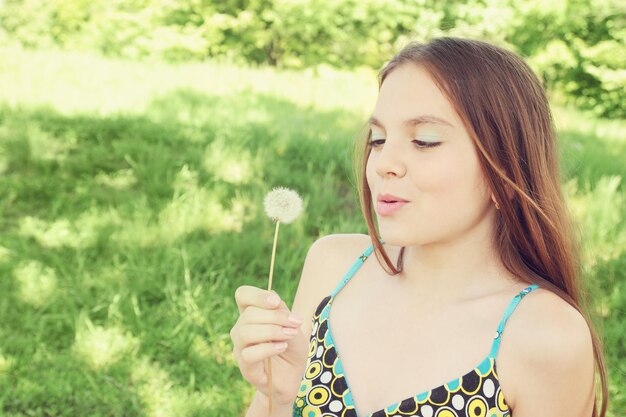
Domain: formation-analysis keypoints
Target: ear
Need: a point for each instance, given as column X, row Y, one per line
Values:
column 509, row 191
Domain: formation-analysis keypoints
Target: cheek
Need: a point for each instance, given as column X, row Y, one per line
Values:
column 437, row 176
column 468, row 186
column 452, row 180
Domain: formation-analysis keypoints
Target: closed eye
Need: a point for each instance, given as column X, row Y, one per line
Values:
column 420, row 144
column 376, row 143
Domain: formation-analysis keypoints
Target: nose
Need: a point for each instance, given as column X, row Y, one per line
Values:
column 389, row 160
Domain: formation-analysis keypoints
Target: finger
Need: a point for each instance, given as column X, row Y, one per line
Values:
column 253, row 334
column 279, row 317
column 283, row 306
column 247, row 295
column 255, row 353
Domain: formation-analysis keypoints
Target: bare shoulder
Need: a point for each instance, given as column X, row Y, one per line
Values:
column 327, row 260
column 546, row 361
column 339, row 248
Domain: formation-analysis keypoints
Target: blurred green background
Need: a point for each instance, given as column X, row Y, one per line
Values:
column 138, row 138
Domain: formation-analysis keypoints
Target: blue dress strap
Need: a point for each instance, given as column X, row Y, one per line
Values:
column 507, row 313
column 357, row 264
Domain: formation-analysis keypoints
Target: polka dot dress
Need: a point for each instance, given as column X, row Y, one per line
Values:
column 324, row 390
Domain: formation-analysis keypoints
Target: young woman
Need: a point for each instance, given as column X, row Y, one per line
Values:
column 471, row 305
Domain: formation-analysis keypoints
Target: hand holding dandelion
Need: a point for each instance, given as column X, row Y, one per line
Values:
column 281, row 205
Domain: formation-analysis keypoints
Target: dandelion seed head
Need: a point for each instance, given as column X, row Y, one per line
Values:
column 282, row 204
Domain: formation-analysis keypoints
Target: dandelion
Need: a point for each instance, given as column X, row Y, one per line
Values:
column 282, row 205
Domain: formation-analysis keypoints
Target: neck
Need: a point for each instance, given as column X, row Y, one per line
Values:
column 456, row 268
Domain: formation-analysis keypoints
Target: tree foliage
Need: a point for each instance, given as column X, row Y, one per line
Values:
column 577, row 46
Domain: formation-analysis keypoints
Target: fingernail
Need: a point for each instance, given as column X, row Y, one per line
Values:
column 273, row 299
column 280, row 346
column 290, row 331
column 294, row 318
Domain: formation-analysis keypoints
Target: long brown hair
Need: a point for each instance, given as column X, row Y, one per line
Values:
column 506, row 113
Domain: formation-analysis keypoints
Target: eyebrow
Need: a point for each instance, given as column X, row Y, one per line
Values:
column 424, row 119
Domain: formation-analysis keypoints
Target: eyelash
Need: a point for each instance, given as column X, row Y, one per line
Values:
column 421, row 144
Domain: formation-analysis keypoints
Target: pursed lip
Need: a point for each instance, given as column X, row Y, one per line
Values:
column 390, row 198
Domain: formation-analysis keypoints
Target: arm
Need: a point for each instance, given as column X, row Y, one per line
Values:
column 554, row 375
column 327, row 260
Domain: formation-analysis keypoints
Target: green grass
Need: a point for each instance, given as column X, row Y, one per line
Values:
column 130, row 210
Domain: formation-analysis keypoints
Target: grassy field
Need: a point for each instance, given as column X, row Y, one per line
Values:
column 131, row 209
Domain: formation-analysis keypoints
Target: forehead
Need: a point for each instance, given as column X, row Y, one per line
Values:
column 409, row 91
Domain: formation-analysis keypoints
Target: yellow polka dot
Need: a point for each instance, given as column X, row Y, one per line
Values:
column 312, row 347
column 313, row 370
column 501, row 404
column 311, row 411
column 445, row 413
column 318, row 395
column 477, row 408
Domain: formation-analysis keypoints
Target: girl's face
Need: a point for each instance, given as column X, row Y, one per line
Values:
column 422, row 153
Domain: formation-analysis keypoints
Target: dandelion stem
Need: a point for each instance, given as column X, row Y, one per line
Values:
column 269, row 288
